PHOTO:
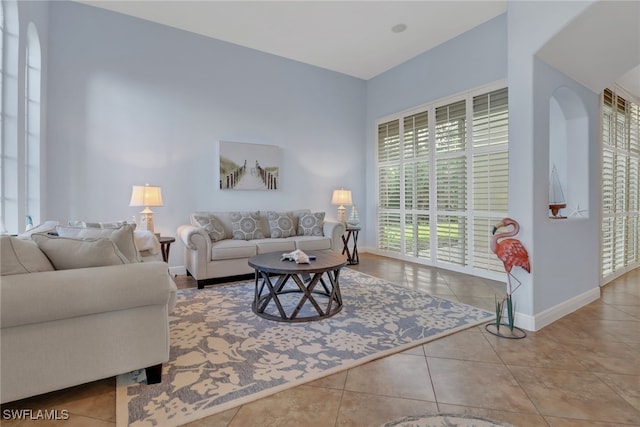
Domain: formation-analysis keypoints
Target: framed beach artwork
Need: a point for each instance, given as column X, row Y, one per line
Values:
column 245, row 166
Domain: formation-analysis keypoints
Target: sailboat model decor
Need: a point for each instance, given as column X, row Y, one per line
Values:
column 556, row 196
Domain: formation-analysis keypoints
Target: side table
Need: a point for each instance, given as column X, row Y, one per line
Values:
column 165, row 246
column 352, row 254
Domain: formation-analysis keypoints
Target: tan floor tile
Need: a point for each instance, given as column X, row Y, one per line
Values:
column 299, row 406
column 465, row 345
column 399, row 375
column 366, row 410
column 632, row 310
column 514, row 418
column 416, row 351
column 611, row 357
column 72, row 421
column 485, row 303
column 477, row 384
column 335, row 381
column 618, row 297
column 600, row 310
column 616, row 330
column 218, row 420
column 627, row 386
column 567, row 422
column 96, row 400
column 470, row 288
column 570, row 394
column 534, row 350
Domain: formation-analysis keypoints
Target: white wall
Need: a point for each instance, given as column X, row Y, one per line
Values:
column 565, row 253
column 133, row 102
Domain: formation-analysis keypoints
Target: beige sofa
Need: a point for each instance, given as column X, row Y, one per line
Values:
column 218, row 245
column 60, row 328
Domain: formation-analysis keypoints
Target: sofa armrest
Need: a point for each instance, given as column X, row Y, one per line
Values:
column 55, row 295
column 194, row 238
column 335, row 230
column 197, row 249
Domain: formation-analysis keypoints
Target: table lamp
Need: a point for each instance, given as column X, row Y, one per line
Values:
column 341, row 197
column 147, row 196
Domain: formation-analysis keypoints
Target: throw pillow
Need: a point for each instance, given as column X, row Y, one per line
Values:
column 280, row 225
column 311, row 224
column 122, row 236
column 65, row 253
column 21, row 256
column 45, row 227
column 211, row 225
column 246, row 225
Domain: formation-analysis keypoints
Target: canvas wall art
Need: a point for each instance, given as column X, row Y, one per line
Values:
column 245, row 166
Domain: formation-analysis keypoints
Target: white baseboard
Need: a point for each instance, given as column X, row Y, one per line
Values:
column 178, row 271
column 550, row 315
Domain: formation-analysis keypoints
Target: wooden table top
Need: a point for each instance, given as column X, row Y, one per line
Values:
column 272, row 262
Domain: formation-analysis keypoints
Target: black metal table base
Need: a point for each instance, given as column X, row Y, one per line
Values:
column 352, row 254
column 325, row 299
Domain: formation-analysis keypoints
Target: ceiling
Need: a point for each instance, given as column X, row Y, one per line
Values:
column 350, row 37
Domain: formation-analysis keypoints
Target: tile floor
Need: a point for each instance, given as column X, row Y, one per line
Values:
column 582, row 370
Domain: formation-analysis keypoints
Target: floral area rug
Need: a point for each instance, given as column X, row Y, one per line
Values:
column 222, row 355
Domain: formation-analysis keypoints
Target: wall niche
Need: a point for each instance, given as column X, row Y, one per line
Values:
column 568, row 155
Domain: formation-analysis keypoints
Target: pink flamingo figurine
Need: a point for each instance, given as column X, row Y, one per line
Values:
column 511, row 252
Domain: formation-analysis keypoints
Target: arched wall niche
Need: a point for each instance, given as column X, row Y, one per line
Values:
column 569, row 152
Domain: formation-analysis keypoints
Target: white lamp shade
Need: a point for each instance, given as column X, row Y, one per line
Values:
column 146, row 195
column 341, row 197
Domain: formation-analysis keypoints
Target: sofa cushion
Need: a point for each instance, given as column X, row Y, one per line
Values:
column 232, row 249
column 211, row 225
column 246, row 225
column 311, row 224
column 66, row 253
column 312, row 243
column 21, row 256
column 275, row 245
column 281, row 224
column 122, row 236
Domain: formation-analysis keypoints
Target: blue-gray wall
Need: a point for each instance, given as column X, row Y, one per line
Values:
column 134, row 102
column 475, row 58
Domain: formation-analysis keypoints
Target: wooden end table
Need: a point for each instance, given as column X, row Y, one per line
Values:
column 317, row 284
column 165, row 246
column 352, row 254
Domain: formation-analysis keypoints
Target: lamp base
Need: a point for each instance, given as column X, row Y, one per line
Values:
column 146, row 221
column 341, row 214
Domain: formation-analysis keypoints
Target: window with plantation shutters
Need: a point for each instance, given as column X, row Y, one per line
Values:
column 620, row 231
column 443, row 181
column 490, row 165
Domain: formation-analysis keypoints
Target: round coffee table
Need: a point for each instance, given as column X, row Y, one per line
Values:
column 278, row 301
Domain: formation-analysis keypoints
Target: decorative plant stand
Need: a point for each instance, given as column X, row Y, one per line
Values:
column 505, row 332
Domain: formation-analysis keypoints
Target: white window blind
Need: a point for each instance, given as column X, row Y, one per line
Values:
column 620, row 233
column 443, row 181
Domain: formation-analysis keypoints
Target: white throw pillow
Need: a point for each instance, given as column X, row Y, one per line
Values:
column 45, row 227
column 21, row 256
column 65, row 253
column 122, row 236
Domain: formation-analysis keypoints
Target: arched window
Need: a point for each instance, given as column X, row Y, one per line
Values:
column 9, row 159
column 33, row 76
